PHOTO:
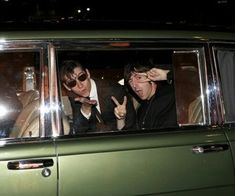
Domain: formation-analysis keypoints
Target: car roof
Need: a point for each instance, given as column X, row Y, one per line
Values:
column 115, row 34
column 112, row 30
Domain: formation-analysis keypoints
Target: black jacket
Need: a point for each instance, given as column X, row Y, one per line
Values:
column 105, row 90
column 159, row 111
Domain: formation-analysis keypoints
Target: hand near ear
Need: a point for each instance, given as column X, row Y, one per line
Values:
column 156, row 74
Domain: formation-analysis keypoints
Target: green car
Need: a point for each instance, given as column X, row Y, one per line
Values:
column 43, row 153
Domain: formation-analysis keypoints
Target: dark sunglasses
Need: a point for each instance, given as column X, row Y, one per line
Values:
column 73, row 83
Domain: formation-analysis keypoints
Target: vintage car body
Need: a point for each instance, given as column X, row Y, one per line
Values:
column 194, row 158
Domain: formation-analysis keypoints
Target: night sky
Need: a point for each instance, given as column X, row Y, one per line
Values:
column 205, row 12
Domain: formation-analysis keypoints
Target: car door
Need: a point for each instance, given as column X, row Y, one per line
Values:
column 27, row 160
column 191, row 163
column 28, row 168
column 192, row 159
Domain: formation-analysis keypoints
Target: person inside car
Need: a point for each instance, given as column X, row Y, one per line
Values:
column 97, row 105
column 157, row 108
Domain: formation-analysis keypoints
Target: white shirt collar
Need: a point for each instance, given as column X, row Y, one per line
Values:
column 94, row 94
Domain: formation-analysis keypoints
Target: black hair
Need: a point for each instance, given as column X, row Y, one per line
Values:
column 139, row 66
column 67, row 68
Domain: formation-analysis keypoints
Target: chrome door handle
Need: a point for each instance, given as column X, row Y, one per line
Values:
column 30, row 164
column 210, row 148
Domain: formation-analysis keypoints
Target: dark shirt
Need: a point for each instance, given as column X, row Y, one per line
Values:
column 105, row 90
column 159, row 111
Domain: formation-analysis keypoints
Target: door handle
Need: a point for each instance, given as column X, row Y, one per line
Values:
column 30, row 164
column 210, row 148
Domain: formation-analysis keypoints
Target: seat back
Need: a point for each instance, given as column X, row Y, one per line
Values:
column 67, row 108
column 33, row 128
column 27, row 123
column 25, row 118
column 195, row 111
column 28, row 96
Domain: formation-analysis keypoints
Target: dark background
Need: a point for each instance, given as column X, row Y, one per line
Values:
column 218, row 13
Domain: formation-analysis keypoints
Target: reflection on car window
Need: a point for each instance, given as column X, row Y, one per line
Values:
column 19, row 94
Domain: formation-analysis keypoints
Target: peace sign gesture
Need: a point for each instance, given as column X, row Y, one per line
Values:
column 120, row 109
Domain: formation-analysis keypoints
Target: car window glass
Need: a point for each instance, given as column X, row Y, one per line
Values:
column 19, row 89
column 188, row 88
column 226, row 61
column 108, row 65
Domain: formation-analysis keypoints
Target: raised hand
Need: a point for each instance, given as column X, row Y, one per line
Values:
column 120, row 109
column 86, row 104
column 156, row 74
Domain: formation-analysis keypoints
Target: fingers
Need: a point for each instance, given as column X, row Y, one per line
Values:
column 124, row 101
column 156, row 74
column 117, row 103
column 120, row 113
column 85, row 100
column 142, row 77
column 80, row 99
column 115, row 100
column 141, row 74
column 116, row 112
column 91, row 102
column 120, row 109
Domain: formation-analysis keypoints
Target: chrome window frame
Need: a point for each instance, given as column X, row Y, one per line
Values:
column 203, row 83
column 152, row 44
column 37, row 46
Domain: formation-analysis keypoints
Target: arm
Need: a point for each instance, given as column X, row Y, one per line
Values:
column 157, row 74
column 81, row 123
column 120, row 112
column 125, row 113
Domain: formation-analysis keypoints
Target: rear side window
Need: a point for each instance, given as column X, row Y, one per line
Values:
column 19, row 90
column 226, row 61
column 109, row 66
column 189, row 94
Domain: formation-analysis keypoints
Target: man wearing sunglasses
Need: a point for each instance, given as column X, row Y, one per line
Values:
column 97, row 105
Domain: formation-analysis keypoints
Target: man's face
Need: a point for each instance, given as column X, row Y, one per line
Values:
column 79, row 82
column 142, row 86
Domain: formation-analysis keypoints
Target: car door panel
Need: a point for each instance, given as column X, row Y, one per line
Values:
column 145, row 164
column 22, row 168
column 230, row 133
